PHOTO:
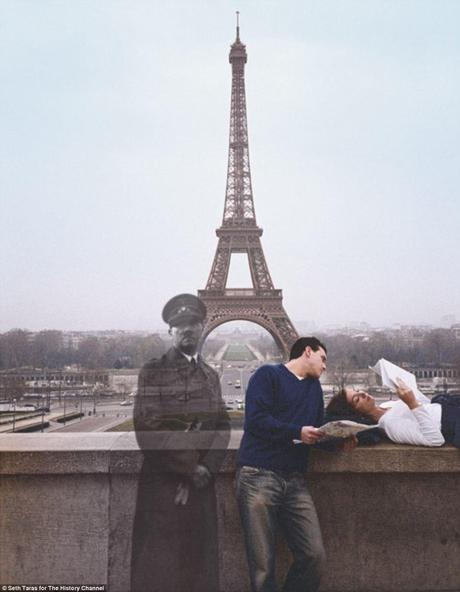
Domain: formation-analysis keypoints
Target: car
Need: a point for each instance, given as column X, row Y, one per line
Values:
column 43, row 409
column 229, row 383
column 126, row 403
column 237, row 385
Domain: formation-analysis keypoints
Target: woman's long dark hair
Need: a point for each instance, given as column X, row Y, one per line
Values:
column 339, row 408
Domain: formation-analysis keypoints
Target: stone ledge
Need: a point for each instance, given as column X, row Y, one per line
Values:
column 119, row 453
column 389, row 514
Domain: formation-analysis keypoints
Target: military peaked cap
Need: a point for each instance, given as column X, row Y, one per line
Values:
column 183, row 307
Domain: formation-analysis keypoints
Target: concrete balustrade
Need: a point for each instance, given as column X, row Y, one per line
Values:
column 390, row 514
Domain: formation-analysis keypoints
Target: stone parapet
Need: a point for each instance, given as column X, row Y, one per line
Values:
column 390, row 514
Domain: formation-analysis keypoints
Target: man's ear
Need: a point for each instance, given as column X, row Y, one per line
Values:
column 307, row 351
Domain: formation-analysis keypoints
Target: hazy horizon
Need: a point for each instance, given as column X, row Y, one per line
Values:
column 303, row 327
column 114, row 154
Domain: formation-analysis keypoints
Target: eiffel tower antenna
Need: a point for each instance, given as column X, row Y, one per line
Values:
column 239, row 233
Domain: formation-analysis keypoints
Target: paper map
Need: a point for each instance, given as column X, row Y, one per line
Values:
column 342, row 428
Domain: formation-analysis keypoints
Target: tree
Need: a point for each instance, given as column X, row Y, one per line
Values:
column 15, row 349
column 90, row 353
column 48, row 349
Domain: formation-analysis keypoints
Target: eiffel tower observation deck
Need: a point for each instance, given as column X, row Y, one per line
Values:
column 260, row 303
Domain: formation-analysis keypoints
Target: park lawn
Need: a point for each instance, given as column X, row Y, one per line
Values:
column 238, row 353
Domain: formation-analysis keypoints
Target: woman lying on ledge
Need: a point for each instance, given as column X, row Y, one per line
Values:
column 408, row 421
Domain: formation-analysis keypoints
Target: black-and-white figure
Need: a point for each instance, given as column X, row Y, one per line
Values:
column 175, row 542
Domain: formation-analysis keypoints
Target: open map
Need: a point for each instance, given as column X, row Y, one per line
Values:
column 342, row 428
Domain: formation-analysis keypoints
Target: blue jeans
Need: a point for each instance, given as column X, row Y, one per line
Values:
column 269, row 501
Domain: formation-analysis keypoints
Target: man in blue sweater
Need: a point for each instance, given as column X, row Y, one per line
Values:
column 284, row 402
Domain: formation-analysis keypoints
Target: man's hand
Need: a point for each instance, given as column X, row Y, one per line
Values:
column 201, row 476
column 310, row 435
column 182, row 493
column 348, row 444
column 406, row 394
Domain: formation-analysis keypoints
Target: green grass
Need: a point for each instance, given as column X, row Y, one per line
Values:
column 126, row 426
column 238, row 353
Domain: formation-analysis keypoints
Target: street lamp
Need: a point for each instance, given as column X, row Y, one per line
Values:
column 60, row 389
column 14, row 414
column 64, row 396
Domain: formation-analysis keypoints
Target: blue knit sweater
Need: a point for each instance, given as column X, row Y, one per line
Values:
column 278, row 404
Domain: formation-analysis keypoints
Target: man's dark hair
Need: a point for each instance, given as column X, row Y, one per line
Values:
column 299, row 346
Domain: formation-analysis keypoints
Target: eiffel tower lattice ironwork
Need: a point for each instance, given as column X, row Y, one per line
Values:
column 239, row 233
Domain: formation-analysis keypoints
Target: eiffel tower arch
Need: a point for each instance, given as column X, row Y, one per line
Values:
column 239, row 233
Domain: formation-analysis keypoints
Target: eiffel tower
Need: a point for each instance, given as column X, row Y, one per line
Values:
column 239, row 233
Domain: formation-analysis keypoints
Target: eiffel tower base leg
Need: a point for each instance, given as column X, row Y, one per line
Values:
column 266, row 311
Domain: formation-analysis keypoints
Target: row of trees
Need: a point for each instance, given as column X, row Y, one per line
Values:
column 49, row 349
column 435, row 347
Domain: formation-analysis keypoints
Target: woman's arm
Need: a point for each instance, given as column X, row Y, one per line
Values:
column 415, row 425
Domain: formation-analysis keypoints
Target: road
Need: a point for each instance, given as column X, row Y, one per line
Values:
column 108, row 414
column 236, row 374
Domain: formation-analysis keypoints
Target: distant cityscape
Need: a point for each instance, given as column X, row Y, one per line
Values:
column 353, row 347
column 74, row 338
column 67, row 381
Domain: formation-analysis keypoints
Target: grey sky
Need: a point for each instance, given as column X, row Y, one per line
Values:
column 113, row 146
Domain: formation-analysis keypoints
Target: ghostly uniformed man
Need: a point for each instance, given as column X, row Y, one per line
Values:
column 175, row 544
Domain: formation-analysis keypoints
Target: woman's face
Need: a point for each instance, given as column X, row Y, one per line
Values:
column 360, row 401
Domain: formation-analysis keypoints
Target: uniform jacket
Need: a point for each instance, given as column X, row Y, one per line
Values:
column 175, row 546
column 174, row 396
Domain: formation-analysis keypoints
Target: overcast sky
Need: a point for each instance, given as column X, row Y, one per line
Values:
column 113, row 147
